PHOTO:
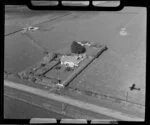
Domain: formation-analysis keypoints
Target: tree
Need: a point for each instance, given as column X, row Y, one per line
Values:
column 77, row 48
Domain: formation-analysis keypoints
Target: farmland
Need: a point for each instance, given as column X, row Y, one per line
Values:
column 112, row 74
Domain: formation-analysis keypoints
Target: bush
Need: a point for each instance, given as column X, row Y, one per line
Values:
column 68, row 69
column 77, row 48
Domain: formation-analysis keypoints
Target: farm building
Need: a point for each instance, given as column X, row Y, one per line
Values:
column 72, row 61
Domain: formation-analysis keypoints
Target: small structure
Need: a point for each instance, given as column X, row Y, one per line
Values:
column 84, row 43
column 29, row 28
column 72, row 61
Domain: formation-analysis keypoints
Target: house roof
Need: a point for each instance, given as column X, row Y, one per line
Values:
column 70, row 59
column 84, row 43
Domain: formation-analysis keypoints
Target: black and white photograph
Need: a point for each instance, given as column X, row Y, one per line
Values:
column 74, row 65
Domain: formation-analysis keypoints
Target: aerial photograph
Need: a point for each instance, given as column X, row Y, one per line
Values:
column 75, row 64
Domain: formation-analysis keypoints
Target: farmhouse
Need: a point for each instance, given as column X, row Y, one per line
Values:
column 72, row 61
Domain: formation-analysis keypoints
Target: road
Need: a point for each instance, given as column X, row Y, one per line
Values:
column 11, row 110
